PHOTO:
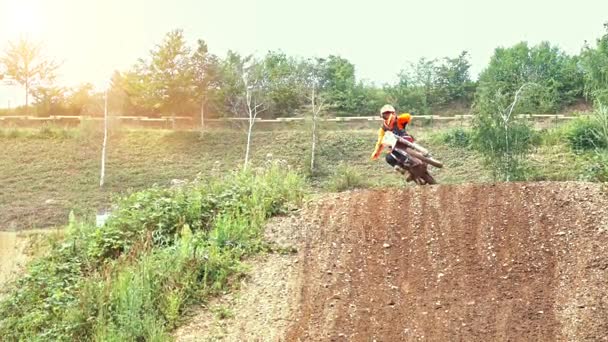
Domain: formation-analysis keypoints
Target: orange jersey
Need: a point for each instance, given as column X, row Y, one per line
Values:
column 394, row 123
column 401, row 121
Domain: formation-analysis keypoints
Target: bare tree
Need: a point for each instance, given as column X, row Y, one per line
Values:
column 506, row 118
column 311, row 75
column 105, row 140
column 317, row 105
column 244, row 83
column 253, row 80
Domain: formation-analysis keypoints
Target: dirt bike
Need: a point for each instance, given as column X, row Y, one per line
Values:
column 411, row 158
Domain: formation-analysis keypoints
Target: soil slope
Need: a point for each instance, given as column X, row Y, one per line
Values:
column 504, row 262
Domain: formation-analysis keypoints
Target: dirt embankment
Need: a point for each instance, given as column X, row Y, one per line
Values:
column 505, row 262
column 12, row 255
column 16, row 249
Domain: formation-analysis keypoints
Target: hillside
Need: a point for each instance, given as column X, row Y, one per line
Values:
column 47, row 173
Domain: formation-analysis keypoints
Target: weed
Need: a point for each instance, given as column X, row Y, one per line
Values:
column 160, row 250
column 346, row 178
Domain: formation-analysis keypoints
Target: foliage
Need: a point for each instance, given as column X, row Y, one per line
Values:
column 583, row 134
column 49, row 100
column 346, row 178
column 558, row 79
column 431, row 84
column 503, row 138
column 205, row 72
column 24, row 62
column 160, row 250
column 457, row 137
column 593, row 62
column 285, row 89
column 177, row 79
column 598, row 169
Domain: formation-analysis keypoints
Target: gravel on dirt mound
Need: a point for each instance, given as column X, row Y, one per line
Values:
column 489, row 262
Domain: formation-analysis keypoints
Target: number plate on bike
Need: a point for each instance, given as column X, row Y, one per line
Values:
column 389, row 139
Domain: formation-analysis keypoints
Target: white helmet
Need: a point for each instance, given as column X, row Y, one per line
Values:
column 387, row 108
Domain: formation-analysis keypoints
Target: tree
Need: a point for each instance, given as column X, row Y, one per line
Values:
column 311, row 75
column 244, row 86
column 205, row 71
column 558, row 79
column 81, row 100
column 339, row 77
column 406, row 95
column 49, row 100
column 432, row 83
column 132, row 92
column 453, row 79
column 501, row 137
column 254, row 81
column 25, row 63
column 284, row 96
column 105, row 140
column 170, row 75
column 231, row 87
column 594, row 62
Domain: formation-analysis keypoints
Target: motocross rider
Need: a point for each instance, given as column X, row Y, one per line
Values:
column 396, row 124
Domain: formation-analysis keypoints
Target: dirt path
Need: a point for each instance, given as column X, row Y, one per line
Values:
column 506, row 262
column 262, row 309
column 12, row 254
column 17, row 248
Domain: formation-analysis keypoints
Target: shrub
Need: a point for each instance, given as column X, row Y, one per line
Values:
column 160, row 250
column 584, row 134
column 346, row 178
column 457, row 137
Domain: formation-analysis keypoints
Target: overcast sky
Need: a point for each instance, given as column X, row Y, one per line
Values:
column 94, row 37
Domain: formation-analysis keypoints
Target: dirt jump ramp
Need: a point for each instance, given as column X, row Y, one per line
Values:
column 504, row 262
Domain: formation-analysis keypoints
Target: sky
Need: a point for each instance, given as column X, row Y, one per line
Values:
column 92, row 38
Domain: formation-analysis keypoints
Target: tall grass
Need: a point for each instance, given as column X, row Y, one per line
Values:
column 346, row 178
column 161, row 250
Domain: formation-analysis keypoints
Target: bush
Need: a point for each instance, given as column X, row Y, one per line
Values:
column 504, row 147
column 457, row 137
column 346, row 178
column 596, row 169
column 160, row 250
column 583, row 134
column 43, row 132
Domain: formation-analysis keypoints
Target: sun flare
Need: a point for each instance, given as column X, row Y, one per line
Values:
column 24, row 17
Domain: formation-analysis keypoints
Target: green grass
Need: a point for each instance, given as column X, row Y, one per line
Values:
column 50, row 171
column 47, row 173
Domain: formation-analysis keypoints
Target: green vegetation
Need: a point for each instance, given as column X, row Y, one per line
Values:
column 557, row 79
column 455, row 137
column 346, row 178
column 594, row 61
column 160, row 250
column 183, row 80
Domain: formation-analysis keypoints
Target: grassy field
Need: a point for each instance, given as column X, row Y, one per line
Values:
column 48, row 172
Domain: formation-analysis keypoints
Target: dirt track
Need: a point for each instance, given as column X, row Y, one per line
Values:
column 457, row 263
column 507, row 262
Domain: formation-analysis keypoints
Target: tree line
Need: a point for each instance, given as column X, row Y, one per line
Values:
column 176, row 79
